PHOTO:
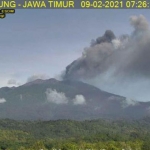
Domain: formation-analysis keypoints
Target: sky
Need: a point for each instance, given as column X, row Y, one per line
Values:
column 44, row 42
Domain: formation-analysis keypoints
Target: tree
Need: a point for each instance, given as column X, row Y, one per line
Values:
column 146, row 145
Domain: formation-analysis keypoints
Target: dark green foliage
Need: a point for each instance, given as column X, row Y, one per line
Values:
column 146, row 145
column 73, row 135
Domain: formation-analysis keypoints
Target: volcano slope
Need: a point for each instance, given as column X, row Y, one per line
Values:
column 52, row 99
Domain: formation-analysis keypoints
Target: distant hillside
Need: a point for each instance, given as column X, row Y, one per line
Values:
column 52, row 99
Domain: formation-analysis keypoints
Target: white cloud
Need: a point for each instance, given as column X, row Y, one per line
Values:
column 2, row 100
column 79, row 100
column 129, row 102
column 56, row 97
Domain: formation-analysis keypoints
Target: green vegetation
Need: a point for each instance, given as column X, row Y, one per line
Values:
column 75, row 135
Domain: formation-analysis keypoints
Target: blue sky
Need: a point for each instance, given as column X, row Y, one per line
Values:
column 46, row 41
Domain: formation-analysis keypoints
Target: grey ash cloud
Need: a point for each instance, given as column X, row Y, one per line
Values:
column 139, row 23
column 93, row 58
column 110, row 61
column 107, row 37
column 132, row 54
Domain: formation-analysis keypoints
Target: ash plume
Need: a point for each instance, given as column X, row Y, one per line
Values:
column 116, row 63
column 139, row 23
column 90, row 63
column 107, row 37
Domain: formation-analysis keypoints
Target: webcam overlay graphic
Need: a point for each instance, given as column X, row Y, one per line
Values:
column 3, row 12
column 75, row 4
